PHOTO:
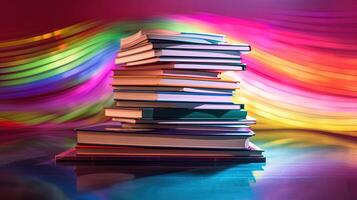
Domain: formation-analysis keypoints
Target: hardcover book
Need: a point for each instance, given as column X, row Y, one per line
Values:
column 189, row 105
column 173, row 96
column 147, row 46
column 173, row 81
column 176, row 114
column 104, row 134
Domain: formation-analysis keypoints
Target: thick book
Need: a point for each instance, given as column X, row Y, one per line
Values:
column 173, row 96
column 197, row 127
column 70, row 156
column 108, row 150
column 105, row 134
column 172, row 89
column 151, row 45
column 197, row 60
column 173, row 81
column 189, row 105
column 247, row 121
column 188, row 66
column 167, row 72
column 178, row 54
column 175, row 114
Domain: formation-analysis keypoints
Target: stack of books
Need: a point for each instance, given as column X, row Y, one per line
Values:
column 173, row 102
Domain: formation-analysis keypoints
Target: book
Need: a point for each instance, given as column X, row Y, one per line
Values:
column 136, row 36
column 198, row 127
column 190, row 105
column 71, row 156
column 159, row 35
column 147, row 46
column 167, row 72
column 104, row 134
column 173, row 81
column 172, row 89
column 187, row 66
column 217, row 61
column 108, row 150
column 173, row 96
column 175, row 114
column 247, row 121
column 171, row 53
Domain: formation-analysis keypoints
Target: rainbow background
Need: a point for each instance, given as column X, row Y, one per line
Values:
column 301, row 74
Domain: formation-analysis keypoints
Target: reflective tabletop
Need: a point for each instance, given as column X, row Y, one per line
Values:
column 300, row 165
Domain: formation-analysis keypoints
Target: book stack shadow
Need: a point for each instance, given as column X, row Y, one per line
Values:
column 174, row 102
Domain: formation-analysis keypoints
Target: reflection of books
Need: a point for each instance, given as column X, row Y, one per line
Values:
column 94, row 177
column 94, row 181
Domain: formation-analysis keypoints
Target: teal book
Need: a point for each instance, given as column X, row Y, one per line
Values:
column 176, row 114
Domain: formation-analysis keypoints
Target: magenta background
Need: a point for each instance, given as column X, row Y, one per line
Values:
column 23, row 18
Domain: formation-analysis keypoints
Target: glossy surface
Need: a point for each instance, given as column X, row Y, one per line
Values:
column 300, row 165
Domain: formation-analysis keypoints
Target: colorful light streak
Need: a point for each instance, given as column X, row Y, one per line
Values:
column 301, row 73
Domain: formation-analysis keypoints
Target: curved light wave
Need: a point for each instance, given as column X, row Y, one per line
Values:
column 301, row 72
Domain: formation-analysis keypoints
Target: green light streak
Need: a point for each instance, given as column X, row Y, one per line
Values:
column 81, row 48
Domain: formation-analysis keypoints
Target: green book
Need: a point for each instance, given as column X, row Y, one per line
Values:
column 176, row 114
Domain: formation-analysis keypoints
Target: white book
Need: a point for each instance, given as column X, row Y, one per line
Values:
column 173, row 81
column 189, row 105
column 247, row 121
column 217, row 61
column 186, row 66
column 179, row 54
column 173, row 96
column 147, row 45
column 173, row 89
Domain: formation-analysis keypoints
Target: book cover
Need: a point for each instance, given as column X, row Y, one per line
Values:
column 188, row 105
column 166, row 96
column 176, row 114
